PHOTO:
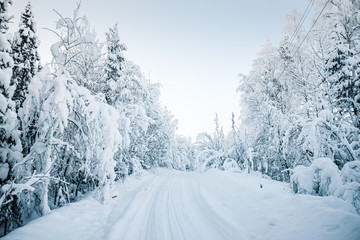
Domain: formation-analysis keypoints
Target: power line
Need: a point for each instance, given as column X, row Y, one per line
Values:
column 322, row 10
column 298, row 27
column 312, row 26
column 302, row 20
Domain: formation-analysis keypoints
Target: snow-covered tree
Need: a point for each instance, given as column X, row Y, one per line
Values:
column 10, row 145
column 25, row 55
column 84, row 124
column 266, row 103
column 343, row 58
column 212, row 150
column 76, row 141
column 160, row 138
column 78, row 50
column 183, row 154
column 235, row 145
column 126, row 90
column 299, row 102
column 114, row 66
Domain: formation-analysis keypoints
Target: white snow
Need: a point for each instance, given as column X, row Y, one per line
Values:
column 55, row 49
column 4, row 170
column 3, row 103
column 212, row 205
column 5, row 74
column 351, row 172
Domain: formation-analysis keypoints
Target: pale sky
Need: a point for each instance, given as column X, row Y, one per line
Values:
column 194, row 48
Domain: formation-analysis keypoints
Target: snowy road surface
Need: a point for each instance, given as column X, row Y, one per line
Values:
column 214, row 205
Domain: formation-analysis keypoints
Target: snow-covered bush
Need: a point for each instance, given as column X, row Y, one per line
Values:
column 208, row 159
column 350, row 191
column 321, row 178
column 229, row 164
column 210, row 149
column 351, row 172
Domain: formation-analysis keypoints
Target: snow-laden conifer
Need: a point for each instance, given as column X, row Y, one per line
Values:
column 25, row 55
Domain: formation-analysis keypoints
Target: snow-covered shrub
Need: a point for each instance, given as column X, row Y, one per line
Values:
column 350, row 191
column 213, row 151
column 208, row 159
column 351, row 172
column 229, row 164
column 321, row 178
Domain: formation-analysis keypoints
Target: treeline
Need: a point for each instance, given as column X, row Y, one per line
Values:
column 300, row 103
column 80, row 124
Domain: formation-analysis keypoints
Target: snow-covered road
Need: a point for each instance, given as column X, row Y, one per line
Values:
column 213, row 205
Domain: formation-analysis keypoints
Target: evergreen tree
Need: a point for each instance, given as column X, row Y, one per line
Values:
column 10, row 146
column 343, row 59
column 25, row 55
column 114, row 64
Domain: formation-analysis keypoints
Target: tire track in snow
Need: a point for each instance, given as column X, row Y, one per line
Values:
column 171, row 208
column 124, row 214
